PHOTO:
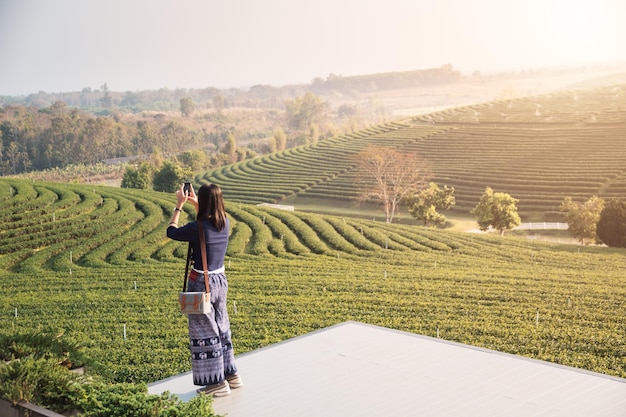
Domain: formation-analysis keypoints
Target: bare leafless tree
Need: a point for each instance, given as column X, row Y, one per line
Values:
column 387, row 175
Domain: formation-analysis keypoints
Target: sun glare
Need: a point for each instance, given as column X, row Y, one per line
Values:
column 576, row 31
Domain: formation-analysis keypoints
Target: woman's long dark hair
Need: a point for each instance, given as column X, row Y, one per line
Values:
column 211, row 205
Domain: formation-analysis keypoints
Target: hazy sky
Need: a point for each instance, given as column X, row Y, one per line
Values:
column 65, row 45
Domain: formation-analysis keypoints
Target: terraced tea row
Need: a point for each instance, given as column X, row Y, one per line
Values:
column 56, row 227
column 274, row 177
column 597, row 106
column 95, row 263
column 538, row 149
column 65, row 227
column 538, row 166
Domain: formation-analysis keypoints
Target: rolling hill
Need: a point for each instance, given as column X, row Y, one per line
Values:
column 538, row 149
column 93, row 262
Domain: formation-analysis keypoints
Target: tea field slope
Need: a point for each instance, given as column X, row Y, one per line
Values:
column 94, row 262
column 538, row 149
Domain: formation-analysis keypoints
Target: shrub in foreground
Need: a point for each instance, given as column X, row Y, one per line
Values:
column 42, row 377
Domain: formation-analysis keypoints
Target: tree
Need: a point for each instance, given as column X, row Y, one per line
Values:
column 497, row 210
column 140, row 178
column 611, row 227
column 582, row 218
column 424, row 205
column 230, row 148
column 106, row 101
column 271, row 144
column 169, row 177
column 346, row 111
column 281, row 139
column 195, row 160
column 219, row 102
column 174, row 135
column 16, row 159
column 130, row 99
column 100, row 134
column 186, row 106
column 146, row 137
column 314, row 132
column 302, row 111
column 388, row 176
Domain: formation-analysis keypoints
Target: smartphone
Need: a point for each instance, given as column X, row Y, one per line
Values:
column 187, row 188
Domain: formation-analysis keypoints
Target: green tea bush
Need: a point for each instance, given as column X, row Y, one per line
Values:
column 36, row 370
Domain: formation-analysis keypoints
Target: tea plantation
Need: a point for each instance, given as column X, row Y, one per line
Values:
column 537, row 149
column 94, row 262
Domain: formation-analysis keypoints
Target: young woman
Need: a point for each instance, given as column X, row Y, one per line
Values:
column 212, row 356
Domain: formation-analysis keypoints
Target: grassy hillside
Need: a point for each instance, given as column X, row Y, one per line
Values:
column 93, row 261
column 538, row 149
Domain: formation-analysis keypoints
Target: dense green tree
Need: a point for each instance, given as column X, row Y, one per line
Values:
column 582, row 218
column 230, row 147
column 140, row 178
column 195, row 160
column 497, row 210
column 424, row 205
column 169, row 177
column 16, row 159
column 611, row 227
column 388, row 176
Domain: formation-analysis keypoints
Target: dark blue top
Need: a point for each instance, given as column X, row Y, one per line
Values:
column 216, row 242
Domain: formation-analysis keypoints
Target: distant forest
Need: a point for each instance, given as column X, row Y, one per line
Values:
column 101, row 101
column 57, row 136
column 52, row 130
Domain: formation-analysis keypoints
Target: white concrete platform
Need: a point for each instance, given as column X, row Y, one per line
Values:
column 355, row 369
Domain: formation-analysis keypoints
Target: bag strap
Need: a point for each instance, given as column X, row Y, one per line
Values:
column 204, row 263
column 187, row 267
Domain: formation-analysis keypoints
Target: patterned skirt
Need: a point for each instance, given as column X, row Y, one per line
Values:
column 212, row 356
